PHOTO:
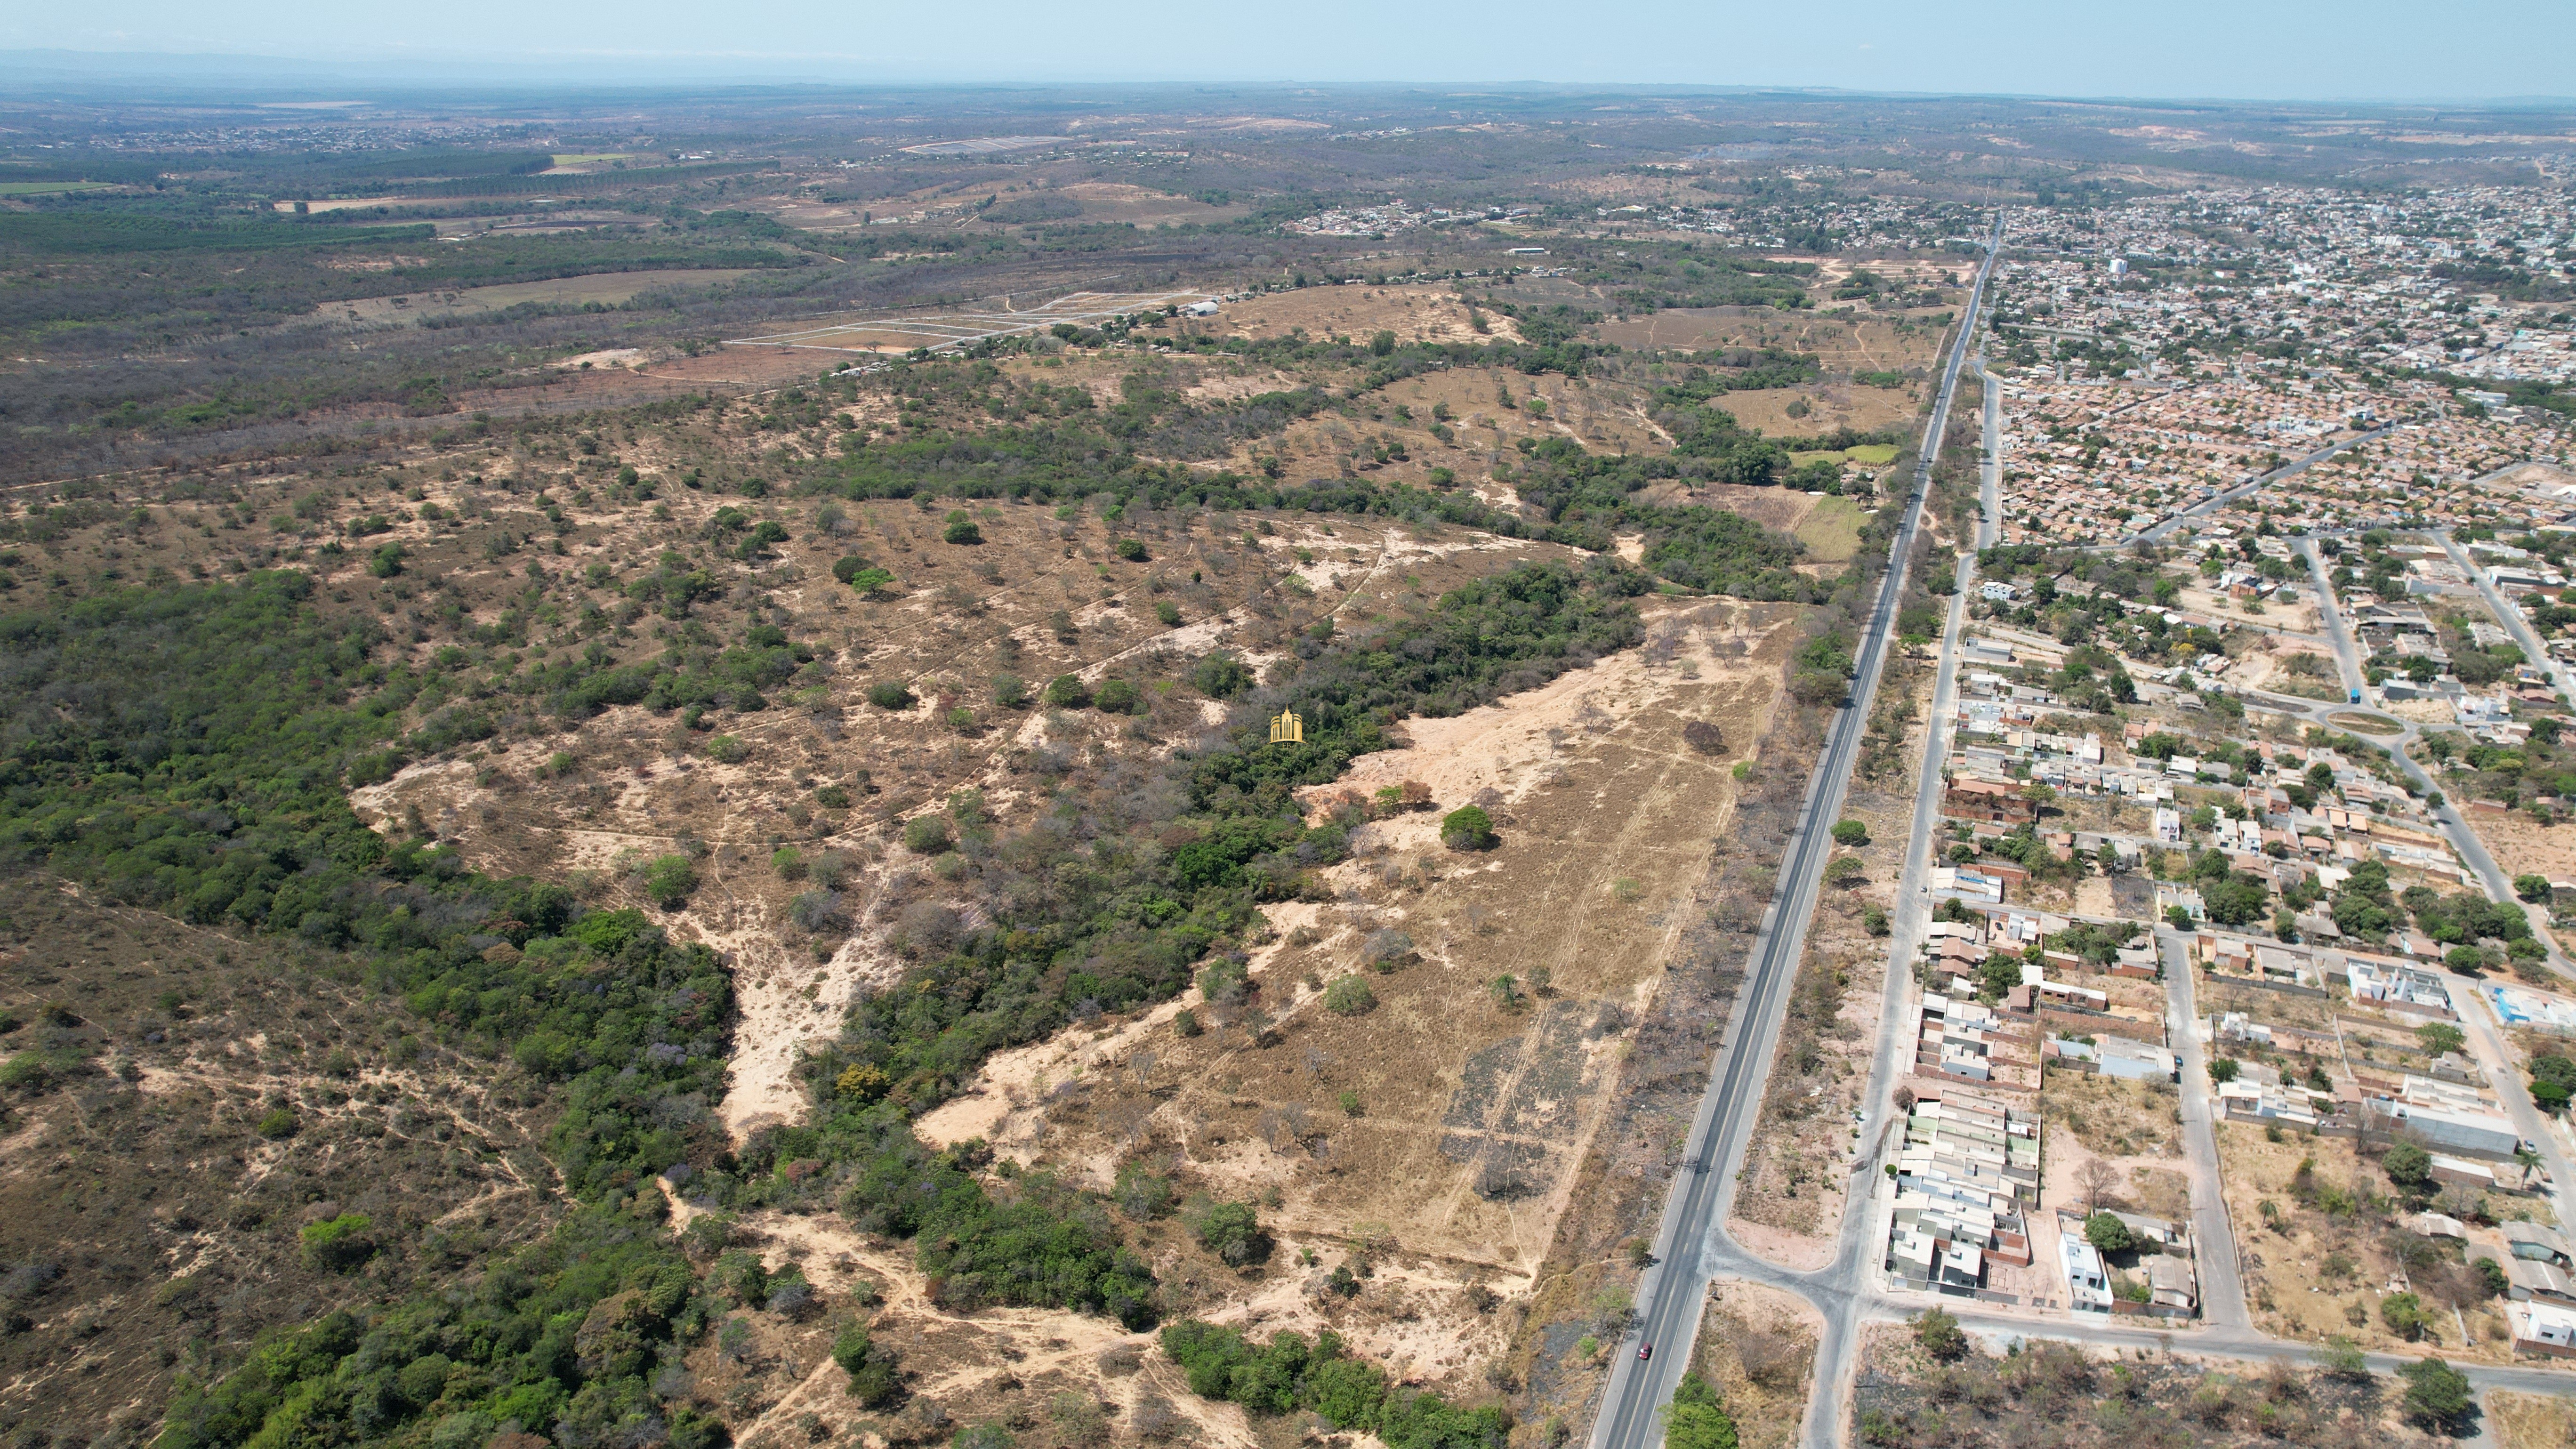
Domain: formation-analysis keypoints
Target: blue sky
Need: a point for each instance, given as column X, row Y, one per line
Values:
column 2349, row 50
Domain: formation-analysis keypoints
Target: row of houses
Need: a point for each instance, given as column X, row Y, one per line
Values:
column 1966, row 1176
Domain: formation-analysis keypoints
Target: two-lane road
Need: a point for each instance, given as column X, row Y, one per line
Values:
column 2251, row 486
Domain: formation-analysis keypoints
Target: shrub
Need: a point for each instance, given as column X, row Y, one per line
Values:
column 1467, row 828
column 1067, row 691
column 832, row 797
column 1350, row 1100
column 1231, row 1230
column 337, row 1245
column 789, row 862
column 1221, row 676
column 1167, row 613
column 817, row 912
column 1851, row 833
column 1119, row 696
column 1940, row 1335
column 890, row 694
column 669, row 880
column 1704, row 737
column 1387, row 949
column 1186, row 1022
column 861, row 1083
column 386, row 561
column 278, row 1123
column 874, row 1377
column 2404, row 1314
column 374, row 768
column 1140, row 1194
column 961, row 528
column 927, row 835
column 1130, row 549
column 1010, row 692
column 727, row 749
column 1350, row 996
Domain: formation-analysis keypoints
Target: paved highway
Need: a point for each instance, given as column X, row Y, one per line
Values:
column 1990, row 472
column 1673, row 1288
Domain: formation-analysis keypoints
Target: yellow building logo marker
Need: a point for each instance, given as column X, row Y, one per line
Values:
column 1287, row 729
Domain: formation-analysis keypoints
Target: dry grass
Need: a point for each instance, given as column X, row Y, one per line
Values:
column 2311, row 1271
column 1757, row 1348
column 1471, row 1115
column 2531, row 1421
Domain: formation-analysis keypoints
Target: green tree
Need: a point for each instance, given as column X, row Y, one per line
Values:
column 669, row 880
column 927, row 835
column 1350, row 996
column 890, row 694
column 2437, row 1395
column 339, row 1245
column 2408, row 1166
column 1231, row 1230
column 2439, row 1037
column 1851, row 833
column 1067, row 691
column 2222, row 1070
column 874, row 1380
column 961, row 528
column 1220, row 675
column 1697, row 1417
column 1467, row 828
column 2108, row 1234
column 1940, row 1335
column 2533, row 888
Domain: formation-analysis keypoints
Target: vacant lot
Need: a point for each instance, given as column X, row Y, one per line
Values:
column 1757, row 1348
column 1449, row 1112
column 2319, row 1261
column 2050, row 1395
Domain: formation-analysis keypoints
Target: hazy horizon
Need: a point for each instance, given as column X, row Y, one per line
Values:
column 2376, row 52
